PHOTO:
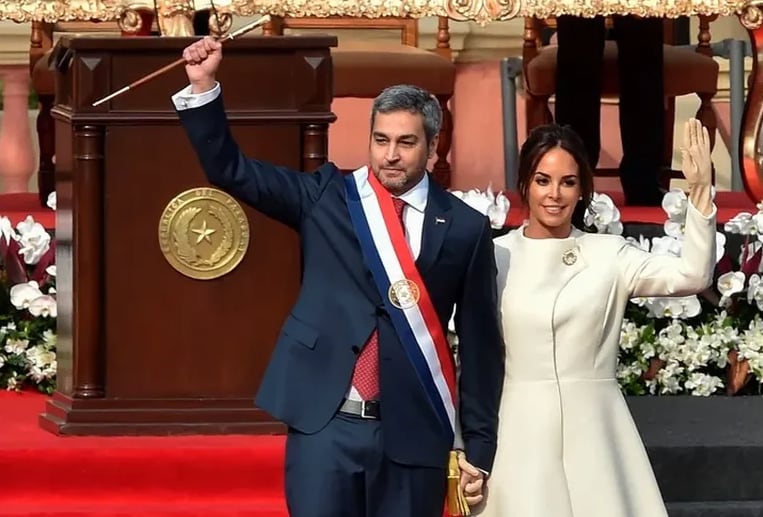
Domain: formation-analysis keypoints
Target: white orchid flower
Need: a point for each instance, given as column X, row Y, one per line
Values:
column 44, row 306
column 741, row 223
column 755, row 291
column 495, row 206
column 680, row 307
column 6, row 230
column 33, row 239
column 23, row 294
column 720, row 246
column 730, row 284
column 52, row 200
column 603, row 215
column 675, row 203
column 674, row 229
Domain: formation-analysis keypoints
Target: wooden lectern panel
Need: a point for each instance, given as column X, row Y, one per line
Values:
column 143, row 348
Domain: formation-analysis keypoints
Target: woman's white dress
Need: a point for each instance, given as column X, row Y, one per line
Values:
column 567, row 444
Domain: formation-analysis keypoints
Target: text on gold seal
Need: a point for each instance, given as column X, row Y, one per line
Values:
column 203, row 233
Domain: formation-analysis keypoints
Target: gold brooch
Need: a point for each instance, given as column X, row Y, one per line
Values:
column 569, row 257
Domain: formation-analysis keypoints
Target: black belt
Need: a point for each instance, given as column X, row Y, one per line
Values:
column 364, row 409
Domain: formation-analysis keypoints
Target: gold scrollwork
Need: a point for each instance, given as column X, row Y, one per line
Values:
column 659, row 8
column 221, row 22
column 751, row 15
column 175, row 17
column 482, row 11
column 130, row 21
column 348, row 8
column 51, row 11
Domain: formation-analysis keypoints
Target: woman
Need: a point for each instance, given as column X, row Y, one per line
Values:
column 567, row 445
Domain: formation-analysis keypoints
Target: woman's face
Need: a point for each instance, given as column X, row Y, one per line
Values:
column 552, row 194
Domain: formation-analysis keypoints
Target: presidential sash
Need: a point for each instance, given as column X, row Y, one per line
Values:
column 394, row 271
column 387, row 255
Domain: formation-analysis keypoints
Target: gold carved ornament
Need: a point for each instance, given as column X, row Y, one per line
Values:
column 51, row 11
column 203, row 233
column 175, row 15
column 751, row 15
column 486, row 11
column 644, row 8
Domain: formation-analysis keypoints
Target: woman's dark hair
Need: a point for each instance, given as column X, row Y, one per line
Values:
column 540, row 141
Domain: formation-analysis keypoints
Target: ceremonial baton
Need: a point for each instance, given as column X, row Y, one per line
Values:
column 233, row 35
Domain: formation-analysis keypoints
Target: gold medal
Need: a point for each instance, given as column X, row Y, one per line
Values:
column 203, row 233
column 404, row 294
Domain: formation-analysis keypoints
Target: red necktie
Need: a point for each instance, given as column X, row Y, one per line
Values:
column 365, row 379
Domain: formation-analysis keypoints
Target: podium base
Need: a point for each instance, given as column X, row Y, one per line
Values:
column 65, row 415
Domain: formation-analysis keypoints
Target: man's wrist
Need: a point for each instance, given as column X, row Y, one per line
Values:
column 202, row 86
column 462, row 452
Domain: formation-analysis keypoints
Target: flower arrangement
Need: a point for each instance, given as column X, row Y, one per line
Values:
column 707, row 344
column 700, row 345
column 28, row 307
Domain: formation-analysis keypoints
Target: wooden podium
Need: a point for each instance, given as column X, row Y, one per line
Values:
column 143, row 348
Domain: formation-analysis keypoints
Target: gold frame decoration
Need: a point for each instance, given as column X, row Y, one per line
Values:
column 645, row 8
column 175, row 15
column 52, row 11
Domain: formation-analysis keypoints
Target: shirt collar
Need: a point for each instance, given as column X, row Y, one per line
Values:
column 417, row 196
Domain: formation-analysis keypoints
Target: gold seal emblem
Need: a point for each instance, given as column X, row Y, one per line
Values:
column 203, row 233
column 404, row 294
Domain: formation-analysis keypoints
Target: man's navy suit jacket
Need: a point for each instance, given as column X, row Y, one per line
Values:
column 338, row 305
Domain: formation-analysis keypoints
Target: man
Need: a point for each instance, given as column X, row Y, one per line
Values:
column 642, row 103
column 359, row 373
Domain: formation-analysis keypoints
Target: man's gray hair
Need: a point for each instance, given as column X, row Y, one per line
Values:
column 406, row 97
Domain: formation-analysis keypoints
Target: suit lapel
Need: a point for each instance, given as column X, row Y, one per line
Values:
column 437, row 219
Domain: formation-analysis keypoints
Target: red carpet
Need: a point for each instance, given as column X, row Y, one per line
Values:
column 46, row 475
column 17, row 206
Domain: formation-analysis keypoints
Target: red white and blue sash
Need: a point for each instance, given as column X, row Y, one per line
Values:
column 408, row 303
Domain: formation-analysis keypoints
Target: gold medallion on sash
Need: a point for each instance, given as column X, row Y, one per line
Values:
column 404, row 294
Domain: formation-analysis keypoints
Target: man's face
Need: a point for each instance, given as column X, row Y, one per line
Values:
column 398, row 150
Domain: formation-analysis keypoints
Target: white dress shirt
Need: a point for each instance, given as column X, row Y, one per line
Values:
column 184, row 99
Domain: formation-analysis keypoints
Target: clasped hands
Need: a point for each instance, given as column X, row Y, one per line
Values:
column 472, row 480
